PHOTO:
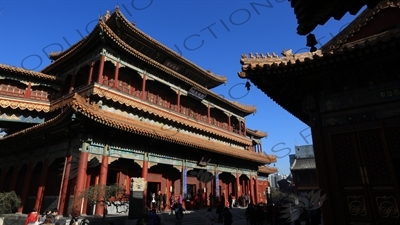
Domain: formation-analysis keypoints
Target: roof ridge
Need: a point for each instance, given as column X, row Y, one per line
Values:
column 242, row 107
column 212, row 75
column 354, row 26
column 19, row 70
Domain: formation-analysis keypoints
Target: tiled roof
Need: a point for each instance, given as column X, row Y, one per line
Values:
column 260, row 61
column 267, row 169
column 93, row 112
column 30, row 73
column 220, row 79
column 116, row 40
column 303, row 164
column 362, row 20
column 256, row 133
column 310, row 14
column 165, row 114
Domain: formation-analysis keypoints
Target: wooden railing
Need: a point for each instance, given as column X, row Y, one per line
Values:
column 162, row 102
column 11, row 91
column 20, row 93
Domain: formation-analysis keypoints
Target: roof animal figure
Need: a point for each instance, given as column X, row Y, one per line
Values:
column 287, row 53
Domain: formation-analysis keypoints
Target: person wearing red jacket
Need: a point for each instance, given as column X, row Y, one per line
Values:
column 32, row 217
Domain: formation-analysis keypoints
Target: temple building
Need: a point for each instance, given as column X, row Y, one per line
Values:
column 119, row 105
column 303, row 170
column 348, row 92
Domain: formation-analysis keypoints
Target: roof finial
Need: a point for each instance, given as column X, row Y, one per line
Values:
column 107, row 16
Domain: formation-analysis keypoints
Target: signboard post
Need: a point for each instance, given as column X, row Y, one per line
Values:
column 136, row 207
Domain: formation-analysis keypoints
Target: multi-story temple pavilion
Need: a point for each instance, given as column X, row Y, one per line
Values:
column 119, row 105
column 348, row 92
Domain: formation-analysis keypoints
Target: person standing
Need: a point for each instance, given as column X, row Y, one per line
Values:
column 172, row 202
column 178, row 214
column 230, row 199
column 32, row 218
column 210, row 217
column 164, row 202
column 153, row 201
column 228, row 218
column 54, row 215
column 219, row 211
column 158, row 201
column 197, row 202
column 211, row 199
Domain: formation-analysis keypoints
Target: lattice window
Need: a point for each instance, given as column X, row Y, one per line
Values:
column 374, row 157
column 393, row 140
column 348, row 169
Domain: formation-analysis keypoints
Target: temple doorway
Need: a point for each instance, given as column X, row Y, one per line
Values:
column 152, row 187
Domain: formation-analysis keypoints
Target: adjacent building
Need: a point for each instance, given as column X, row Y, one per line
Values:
column 348, row 93
column 303, row 170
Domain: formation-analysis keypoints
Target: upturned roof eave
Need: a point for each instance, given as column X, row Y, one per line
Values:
column 114, row 39
column 217, row 80
column 29, row 73
column 78, row 105
column 74, row 49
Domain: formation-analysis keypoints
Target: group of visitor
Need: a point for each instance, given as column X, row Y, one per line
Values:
column 224, row 216
column 157, row 201
column 47, row 217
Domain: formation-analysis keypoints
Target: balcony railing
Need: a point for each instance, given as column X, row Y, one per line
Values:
column 161, row 102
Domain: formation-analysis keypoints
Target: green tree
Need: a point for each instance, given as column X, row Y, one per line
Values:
column 9, row 201
column 106, row 195
column 278, row 196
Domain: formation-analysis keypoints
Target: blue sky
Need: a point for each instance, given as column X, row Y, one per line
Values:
column 212, row 34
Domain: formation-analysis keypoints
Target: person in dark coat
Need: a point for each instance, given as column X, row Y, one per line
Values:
column 228, row 218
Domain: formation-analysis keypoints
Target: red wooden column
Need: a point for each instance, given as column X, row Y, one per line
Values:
column 102, row 181
column 28, row 91
column 257, row 194
column 72, row 84
column 80, row 180
column 14, row 178
column 237, row 186
column 251, row 188
column 229, row 122
column 178, row 100
column 208, row 113
column 127, row 183
column 3, row 177
column 42, row 184
column 87, row 185
column 90, row 73
column 116, row 73
column 101, row 68
column 145, row 167
column 25, row 188
column 240, row 127
column 226, row 193
column 143, row 96
column 169, row 187
column 64, row 187
column 244, row 127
